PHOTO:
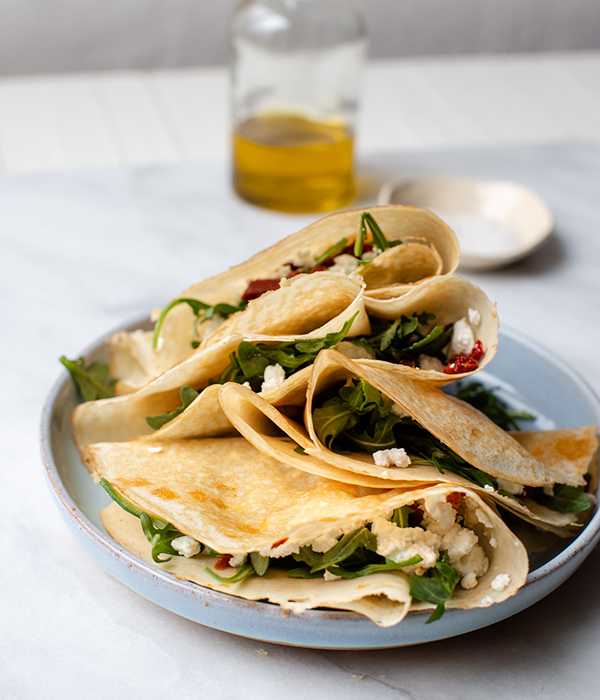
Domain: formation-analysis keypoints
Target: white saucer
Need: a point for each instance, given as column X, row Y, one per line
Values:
column 496, row 223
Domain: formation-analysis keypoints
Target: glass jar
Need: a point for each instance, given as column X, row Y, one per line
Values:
column 296, row 70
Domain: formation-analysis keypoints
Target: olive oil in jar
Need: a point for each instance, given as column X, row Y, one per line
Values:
column 293, row 164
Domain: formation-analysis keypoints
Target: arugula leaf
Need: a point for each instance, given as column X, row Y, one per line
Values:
column 249, row 361
column 566, row 499
column 345, row 547
column 489, row 404
column 330, row 252
column 400, row 516
column 435, row 586
column 242, row 573
column 374, row 568
column 187, row 395
column 259, row 563
column 300, row 450
column 307, row 556
column 93, row 381
column 202, row 311
column 303, row 572
column 377, row 234
column 158, row 532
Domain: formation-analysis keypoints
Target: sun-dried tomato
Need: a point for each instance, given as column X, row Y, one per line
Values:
column 455, row 498
column 477, row 352
column 257, row 288
column 277, row 544
column 466, row 363
column 223, row 561
column 408, row 363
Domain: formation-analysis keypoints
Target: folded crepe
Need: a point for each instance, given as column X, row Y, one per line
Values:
column 429, row 249
column 520, row 471
column 310, row 307
column 238, row 502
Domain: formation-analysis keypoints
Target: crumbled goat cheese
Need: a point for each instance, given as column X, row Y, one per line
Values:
column 489, row 489
column 439, row 515
column 432, row 364
column 493, row 542
column 186, row 546
column 549, row 489
column 370, row 254
column 402, row 543
column 354, row 352
column 237, row 560
column 159, row 448
column 304, row 259
column 397, row 410
column 486, row 600
column 474, row 317
column 458, row 542
column 344, row 263
column 501, row 582
column 510, row 487
column 323, row 542
column 395, row 457
column 330, row 577
column 274, row 376
column 469, row 581
column 462, row 339
column 247, row 384
column 283, row 271
column 285, row 282
column 474, row 562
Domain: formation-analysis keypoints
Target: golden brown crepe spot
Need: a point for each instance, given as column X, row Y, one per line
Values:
column 572, row 449
column 165, row 493
column 204, row 497
column 135, row 482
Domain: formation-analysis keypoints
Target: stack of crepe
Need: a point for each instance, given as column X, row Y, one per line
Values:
column 256, row 472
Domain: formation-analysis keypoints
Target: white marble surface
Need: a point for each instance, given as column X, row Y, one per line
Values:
column 83, row 253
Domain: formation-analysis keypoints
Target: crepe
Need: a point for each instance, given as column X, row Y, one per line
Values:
column 467, row 432
column 430, row 248
column 309, row 306
column 227, row 495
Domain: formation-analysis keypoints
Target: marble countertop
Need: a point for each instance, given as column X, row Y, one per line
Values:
column 86, row 252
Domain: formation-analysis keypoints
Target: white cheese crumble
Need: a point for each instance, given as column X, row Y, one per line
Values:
column 462, row 339
column 486, row 600
column 510, row 487
column 493, row 542
column 370, row 254
column 247, row 384
column 402, row 543
column 549, row 489
column 186, row 546
column 159, row 448
column 330, row 577
column 432, row 364
column 474, row 317
column 501, row 582
column 304, row 259
column 274, row 376
column 489, row 489
column 395, row 457
column 355, row 277
column 283, row 271
column 344, row 263
column 354, row 352
column 397, row 410
column 237, row 560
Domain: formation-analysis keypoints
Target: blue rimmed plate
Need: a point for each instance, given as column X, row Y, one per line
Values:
column 525, row 375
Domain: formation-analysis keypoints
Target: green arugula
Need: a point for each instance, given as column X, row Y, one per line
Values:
column 406, row 339
column 565, row 499
column 249, row 361
column 93, row 381
column 158, row 532
column 187, row 395
column 489, row 404
column 435, row 586
column 378, row 237
column 203, row 312
column 334, row 250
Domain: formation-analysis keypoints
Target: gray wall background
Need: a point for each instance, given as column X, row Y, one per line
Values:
column 38, row 36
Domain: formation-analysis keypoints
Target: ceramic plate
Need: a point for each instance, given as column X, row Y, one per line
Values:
column 557, row 396
column 496, row 222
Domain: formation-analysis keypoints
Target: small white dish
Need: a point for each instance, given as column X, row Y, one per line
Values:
column 496, row 222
